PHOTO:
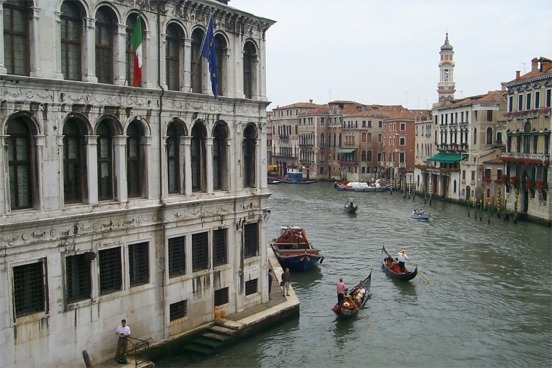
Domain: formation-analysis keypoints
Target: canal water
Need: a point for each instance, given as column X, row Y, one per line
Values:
column 482, row 298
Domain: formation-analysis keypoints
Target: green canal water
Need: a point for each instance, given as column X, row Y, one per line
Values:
column 483, row 297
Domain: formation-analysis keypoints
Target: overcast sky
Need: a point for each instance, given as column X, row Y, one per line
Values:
column 387, row 51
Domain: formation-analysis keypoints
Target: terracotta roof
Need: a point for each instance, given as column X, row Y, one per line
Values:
column 304, row 105
column 491, row 96
column 545, row 67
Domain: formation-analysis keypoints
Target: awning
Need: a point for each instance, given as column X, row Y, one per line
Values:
column 447, row 157
column 346, row 150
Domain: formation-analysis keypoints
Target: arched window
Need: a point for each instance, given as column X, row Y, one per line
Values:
column 105, row 161
column 363, row 138
column 489, row 134
column 74, row 162
column 322, row 140
column 105, row 33
column 173, row 159
column 20, row 164
column 197, row 73
column 172, row 57
column 248, row 57
column 71, row 40
column 220, row 50
column 16, row 36
column 135, row 162
column 131, row 51
column 198, row 151
column 249, row 156
column 220, row 157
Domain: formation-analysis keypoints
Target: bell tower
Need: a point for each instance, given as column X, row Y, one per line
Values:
column 446, row 88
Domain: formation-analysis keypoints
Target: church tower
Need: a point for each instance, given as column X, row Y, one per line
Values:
column 445, row 87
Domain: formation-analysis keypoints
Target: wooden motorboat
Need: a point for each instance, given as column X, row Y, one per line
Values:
column 294, row 250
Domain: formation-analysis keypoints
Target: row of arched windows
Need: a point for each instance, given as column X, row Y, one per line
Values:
column 99, row 162
column 74, row 51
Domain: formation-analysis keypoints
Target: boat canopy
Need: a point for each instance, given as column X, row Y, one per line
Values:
column 447, row 157
column 346, row 150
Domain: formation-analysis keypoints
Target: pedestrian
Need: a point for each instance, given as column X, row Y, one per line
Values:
column 402, row 259
column 123, row 331
column 269, row 281
column 340, row 285
column 286, row 279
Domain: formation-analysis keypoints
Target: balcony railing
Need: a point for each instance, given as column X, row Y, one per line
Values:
column 531, row 113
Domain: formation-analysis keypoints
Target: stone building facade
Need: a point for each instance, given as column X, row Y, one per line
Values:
column 146, row 203
column 528, row 123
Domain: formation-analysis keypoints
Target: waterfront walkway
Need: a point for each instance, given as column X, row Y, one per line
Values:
column 246, row 321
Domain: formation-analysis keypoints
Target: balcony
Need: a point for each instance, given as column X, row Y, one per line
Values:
column 526, row 158
column 347, row 163
column 524, row 114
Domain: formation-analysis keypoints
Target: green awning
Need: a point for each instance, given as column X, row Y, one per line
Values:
column 346, row 150
column 447, row 157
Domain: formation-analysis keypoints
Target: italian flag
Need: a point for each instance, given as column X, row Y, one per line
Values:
column 136, row 41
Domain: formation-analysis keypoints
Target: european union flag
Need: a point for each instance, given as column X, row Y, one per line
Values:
column 208, row 52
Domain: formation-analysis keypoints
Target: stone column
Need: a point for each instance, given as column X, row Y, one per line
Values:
column 120, row 62
column 209, row 163
column 3, row 69
column 4, row 169
column 92, row 162
column 119, row 144
column 187, row 165
column 34, row 44
column 89, row 54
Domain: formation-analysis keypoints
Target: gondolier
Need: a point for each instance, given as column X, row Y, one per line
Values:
column 402, row 259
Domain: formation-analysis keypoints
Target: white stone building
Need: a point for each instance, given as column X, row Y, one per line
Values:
column 146, row 203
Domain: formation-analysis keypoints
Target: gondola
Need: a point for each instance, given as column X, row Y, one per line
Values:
column 391, row 268
column 351, row 306
column 350, row 207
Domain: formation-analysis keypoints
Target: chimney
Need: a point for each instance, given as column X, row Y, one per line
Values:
column 534, row 64
column 517, row 74
column 310, row 101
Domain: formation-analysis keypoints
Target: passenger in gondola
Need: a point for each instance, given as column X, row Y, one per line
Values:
column 359, row 293
column 402, row 259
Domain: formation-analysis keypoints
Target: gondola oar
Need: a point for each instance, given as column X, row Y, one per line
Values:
column 426, row 280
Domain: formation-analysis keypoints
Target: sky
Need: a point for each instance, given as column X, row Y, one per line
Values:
column 387, row 51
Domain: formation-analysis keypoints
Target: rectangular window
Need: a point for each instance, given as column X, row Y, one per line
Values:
column 220, row 247
column 402, row 141
column 251, row 287
column 221, row 297
column 78, row 279
column 177, row 256
column 528, row 102
column 178, row 310
column 487, row 173
column 200, row 251
column 29, row 289
column 472, row 175
column 110, row 271
column 401, row 157
column 537, row 99
column 251, row 240
column 548, row 97
column 138, row 260
column 403, row 127
column 489, row 115
column 463, row 174
column 520, row 102
column 510, row 103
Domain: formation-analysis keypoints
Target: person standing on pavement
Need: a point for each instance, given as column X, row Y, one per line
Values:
column 286, row 281
column 123, row 331
column 269, row 281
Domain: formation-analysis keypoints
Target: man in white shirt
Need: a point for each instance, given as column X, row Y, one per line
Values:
column 123, row 331
column 402, row 259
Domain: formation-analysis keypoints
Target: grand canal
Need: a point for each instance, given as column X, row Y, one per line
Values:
column 483, row 297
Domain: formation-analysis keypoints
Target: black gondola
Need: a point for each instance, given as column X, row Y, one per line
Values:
column 350, row 207
column 351, row 306
column 391, row 268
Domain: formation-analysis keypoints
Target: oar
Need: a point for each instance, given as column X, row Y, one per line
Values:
column 426, row 280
